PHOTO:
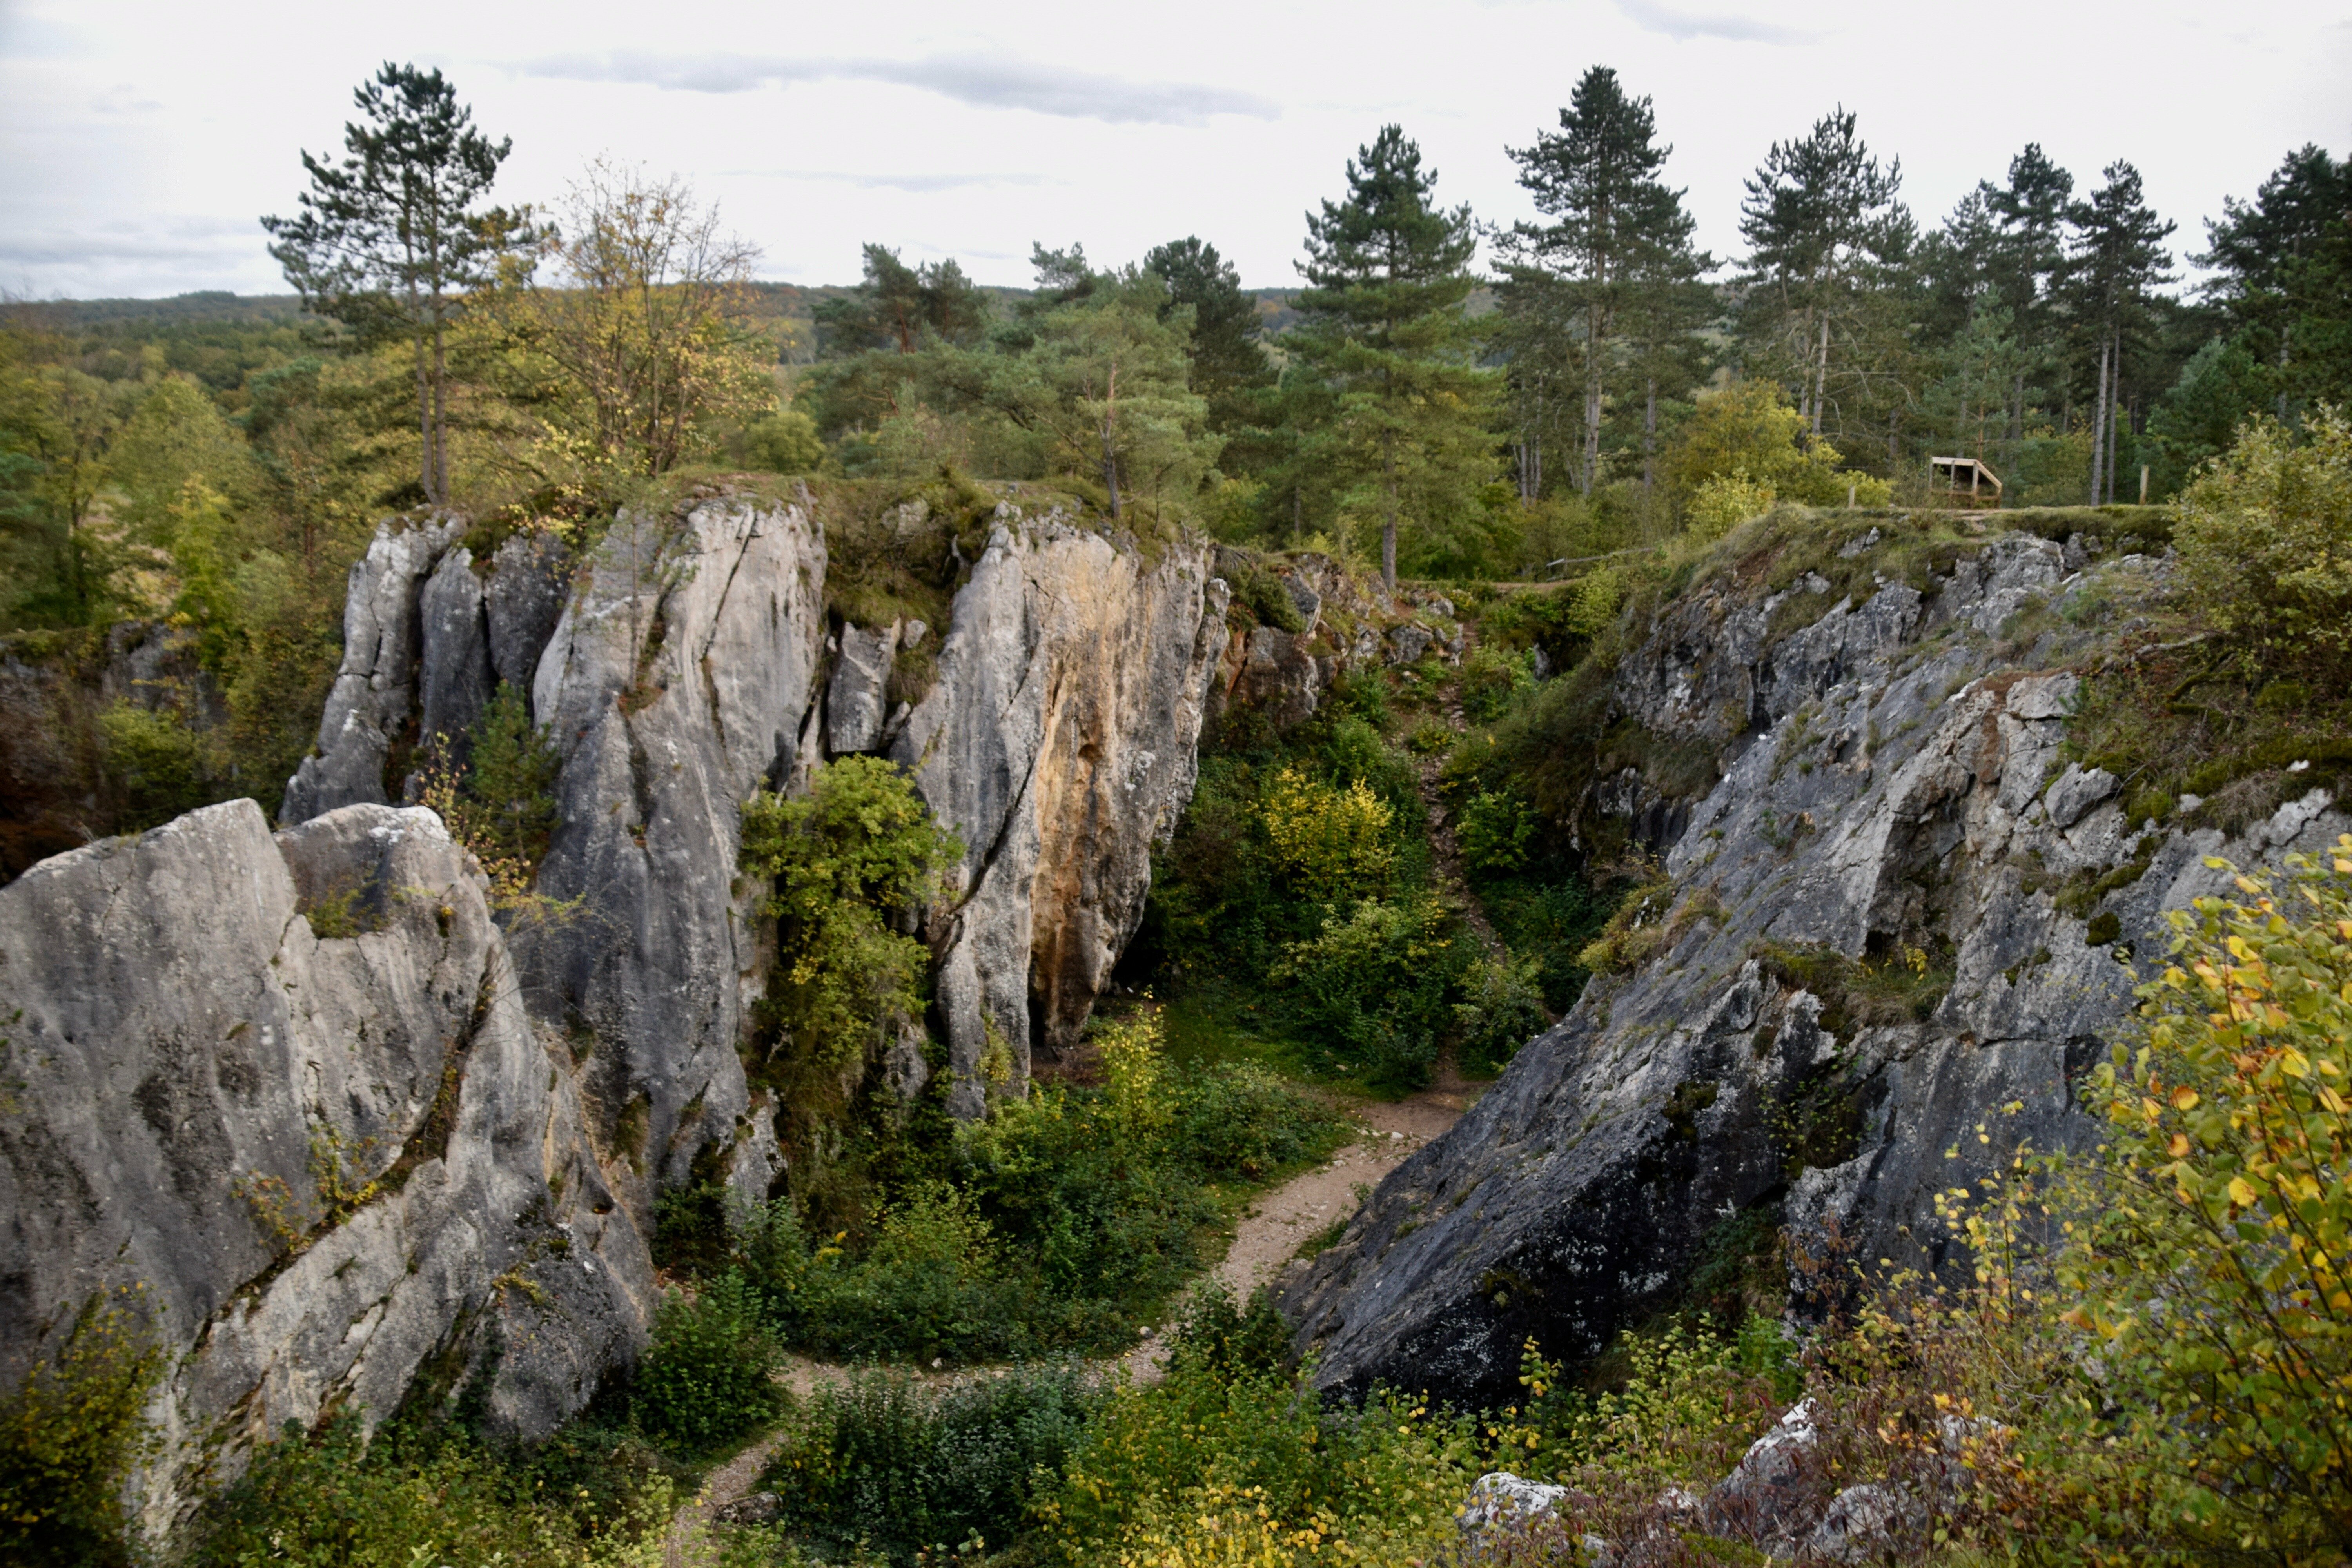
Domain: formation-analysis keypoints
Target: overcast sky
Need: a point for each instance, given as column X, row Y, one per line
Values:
column 139, row 142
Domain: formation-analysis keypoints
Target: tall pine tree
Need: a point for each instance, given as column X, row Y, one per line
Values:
column 2283, row 266
column 1617, row 238
column 1384, row 328
column 1827, row 242
column 390, row 240
column 2116, row 258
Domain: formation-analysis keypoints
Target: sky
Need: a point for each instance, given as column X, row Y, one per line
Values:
column 140, row 143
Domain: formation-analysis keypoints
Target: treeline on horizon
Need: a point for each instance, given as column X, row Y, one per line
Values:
column 1605, row 385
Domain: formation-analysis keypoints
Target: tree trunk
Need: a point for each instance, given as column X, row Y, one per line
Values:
column 1822, row 374
column 1388, row 525
column 1110, row 452
column 2099, row 424
column 1590, row 468
column 1649, row 438
column 424, row 421
column 440, row 411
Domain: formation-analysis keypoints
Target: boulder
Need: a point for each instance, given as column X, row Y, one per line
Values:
column 1408, row 642
column 858, row 699
column 296, row 1099
column 2075, row 793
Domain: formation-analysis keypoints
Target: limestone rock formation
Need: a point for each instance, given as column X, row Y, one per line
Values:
column 857, row 703
column 1058, row 741
column 374, row 693
column 686, row 670
column 290, row 1088
column 675, row 686
column 1890, row 795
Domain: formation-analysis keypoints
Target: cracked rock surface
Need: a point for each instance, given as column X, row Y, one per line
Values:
column 1890, row 784
column 330, row 1153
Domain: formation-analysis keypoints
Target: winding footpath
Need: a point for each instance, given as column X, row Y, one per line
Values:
column 1267, row 1237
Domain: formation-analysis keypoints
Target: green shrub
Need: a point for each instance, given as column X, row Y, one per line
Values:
column 859, row 845
column 1502, row 1011
column 1328, row 843
column 1548, row 917
column 1496, row 832
column 500, row 800
column 70, row 1434
column 2265, row 542
column 1491, row 677
column 705, row 1380
column 1229, row 1461
column 158, row 761
column 334, row 1499
column 1061, row 1219
column 920, row 1471
column 1226, row 1340
column 1373, row 984
column 783, row 442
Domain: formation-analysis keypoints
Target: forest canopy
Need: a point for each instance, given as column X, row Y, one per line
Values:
column 1443, row 396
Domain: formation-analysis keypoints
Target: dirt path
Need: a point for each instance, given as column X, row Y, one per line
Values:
column 1274, row 1227
column 1446, row 852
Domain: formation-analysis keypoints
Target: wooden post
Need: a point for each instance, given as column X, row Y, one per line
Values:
column 1849, row 496
column 2143, row 484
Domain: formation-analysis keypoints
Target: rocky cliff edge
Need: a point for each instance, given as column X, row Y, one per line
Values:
column 1890, row 794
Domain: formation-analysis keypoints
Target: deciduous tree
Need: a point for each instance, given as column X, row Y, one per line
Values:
column 642, row 322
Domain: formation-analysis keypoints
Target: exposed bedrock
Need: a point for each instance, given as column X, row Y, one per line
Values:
column 1891, row 786
column 1058, row 741
column 689, row 667
column 288, row 1087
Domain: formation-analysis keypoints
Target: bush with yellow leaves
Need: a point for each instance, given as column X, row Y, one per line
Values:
column 2214, row 1270
column 1330, row 844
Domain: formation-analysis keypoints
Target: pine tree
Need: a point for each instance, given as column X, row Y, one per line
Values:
column 1225, row 350
column 1827, row 242
column 900, row 308
column 1385, row 328
column 2283, row 266
column 2115, row 258
column 1618, row 234
column 390, row 240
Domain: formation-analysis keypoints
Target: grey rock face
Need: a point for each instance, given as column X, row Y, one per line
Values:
column 374, row 694
column 1408, row 642
column 675, row 684
column 1880, row 794
column 530, row 578
column 2075, row 793
column 856, row 703
column 454, row 680
column 1058, row 742
column 195, row 1076
column 1278, row 676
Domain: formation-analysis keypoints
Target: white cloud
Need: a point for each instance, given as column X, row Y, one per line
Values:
column 1676, row 23
column 985, row 81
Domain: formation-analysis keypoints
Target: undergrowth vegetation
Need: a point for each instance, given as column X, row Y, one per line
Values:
column 1058, row 1223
